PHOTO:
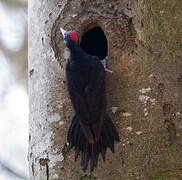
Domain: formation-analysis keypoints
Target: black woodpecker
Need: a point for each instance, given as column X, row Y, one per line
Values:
column 91, row 131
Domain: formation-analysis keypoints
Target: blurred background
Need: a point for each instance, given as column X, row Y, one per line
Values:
column 13, row 90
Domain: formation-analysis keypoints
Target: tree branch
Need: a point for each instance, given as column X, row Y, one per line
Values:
column 15, row 3
column 11, row 171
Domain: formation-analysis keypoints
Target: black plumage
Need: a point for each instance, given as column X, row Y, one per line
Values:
column 91, row 130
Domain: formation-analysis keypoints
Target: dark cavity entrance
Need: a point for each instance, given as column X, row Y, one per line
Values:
column 94, row 42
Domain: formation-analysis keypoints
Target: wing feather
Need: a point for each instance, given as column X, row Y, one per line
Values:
column 89, row 102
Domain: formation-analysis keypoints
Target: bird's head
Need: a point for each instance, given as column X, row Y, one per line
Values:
column 70, row 38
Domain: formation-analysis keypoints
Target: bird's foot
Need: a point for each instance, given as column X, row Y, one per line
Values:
column 108, row 70
column 105, row 64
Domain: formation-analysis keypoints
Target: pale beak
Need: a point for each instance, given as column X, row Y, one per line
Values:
column 63, row 32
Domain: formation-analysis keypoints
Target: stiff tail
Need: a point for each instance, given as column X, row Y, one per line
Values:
column 90, row 152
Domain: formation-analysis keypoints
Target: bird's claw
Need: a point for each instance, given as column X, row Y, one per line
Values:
column 104, row 64
column 108, row 70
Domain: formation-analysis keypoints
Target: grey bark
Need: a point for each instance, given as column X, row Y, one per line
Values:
column 48, row 99
column 143, row 92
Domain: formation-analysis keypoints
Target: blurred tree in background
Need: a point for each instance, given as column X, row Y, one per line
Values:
column 13, row 89
column 13, row 36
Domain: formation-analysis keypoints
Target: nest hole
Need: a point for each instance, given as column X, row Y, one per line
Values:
column 94, row 42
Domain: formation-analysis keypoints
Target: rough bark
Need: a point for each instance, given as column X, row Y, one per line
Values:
column 144, row 39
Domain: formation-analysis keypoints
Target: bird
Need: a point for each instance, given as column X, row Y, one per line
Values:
column 91, row 131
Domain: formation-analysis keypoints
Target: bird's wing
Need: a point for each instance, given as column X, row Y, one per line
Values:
column 78, row 98
column 96, row 98
column 89, row 103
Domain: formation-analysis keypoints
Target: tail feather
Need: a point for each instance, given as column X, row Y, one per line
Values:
column 71, row 131
column 103, row 153
column 90, row 152
column 77, row 152
column 85, row 160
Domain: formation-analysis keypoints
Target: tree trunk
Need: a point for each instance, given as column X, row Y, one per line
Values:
column 143, row 92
